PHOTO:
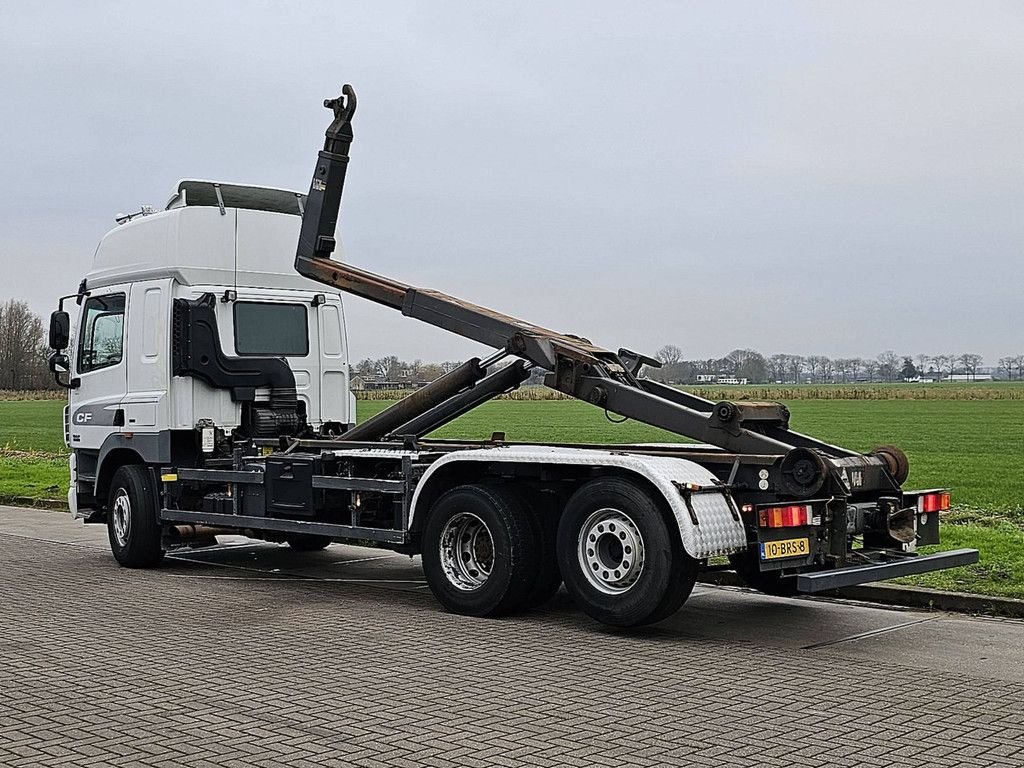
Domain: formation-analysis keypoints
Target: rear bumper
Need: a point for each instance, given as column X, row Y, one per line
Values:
column 859, row 574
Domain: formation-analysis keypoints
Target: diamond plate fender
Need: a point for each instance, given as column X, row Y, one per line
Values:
column 718, row 531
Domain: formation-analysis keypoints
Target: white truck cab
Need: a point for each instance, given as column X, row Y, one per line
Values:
column 229, row 246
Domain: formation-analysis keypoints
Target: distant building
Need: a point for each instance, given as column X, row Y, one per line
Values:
column 968, row 377
column 362, row 382
column 719, row 378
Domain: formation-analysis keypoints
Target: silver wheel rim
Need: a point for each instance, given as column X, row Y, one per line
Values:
column 121, row 514
column 611, row 551
column 467, row 551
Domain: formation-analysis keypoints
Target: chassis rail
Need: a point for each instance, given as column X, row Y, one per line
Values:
column 282, row 525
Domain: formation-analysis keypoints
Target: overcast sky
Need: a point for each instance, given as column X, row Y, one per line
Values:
column 820, row 178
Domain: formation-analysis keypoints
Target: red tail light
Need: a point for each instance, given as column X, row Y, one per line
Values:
column 933, row 502
column 791, row 516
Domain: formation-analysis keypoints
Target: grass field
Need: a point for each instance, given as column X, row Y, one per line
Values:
column 973, row 444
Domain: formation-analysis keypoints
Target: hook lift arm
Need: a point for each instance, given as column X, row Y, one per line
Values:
column 575, row 366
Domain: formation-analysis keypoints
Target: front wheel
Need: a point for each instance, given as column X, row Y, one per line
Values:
column 621, row 560
column 480, row 553
column 132, row 523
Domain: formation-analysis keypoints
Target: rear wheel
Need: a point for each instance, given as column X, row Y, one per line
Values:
column 132, row 524
column 769, row 582
column 308, row 542
column 621, row 560
column 480, row 551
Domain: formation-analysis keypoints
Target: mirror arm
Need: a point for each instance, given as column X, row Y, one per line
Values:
column 69, row 384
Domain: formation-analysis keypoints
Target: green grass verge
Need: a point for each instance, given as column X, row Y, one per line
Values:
column 34, row 477
column 32, row 425
column 999, row 571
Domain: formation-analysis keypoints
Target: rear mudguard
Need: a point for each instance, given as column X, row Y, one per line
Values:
column 718, row 529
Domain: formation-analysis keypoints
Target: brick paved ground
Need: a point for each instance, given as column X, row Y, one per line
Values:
column 206, row 664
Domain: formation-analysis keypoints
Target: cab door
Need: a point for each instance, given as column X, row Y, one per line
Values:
column 334, row 394
column 100, row 365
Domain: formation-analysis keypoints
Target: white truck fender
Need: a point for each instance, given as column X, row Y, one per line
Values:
column 718, row 530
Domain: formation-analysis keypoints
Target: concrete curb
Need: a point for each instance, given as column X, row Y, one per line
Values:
column 902, row 595
column 58, row 505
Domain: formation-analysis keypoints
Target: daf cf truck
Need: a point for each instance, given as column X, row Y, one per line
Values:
column 208, row 393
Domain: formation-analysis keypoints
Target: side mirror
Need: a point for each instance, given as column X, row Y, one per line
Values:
column 60, row 331
column 59, row 363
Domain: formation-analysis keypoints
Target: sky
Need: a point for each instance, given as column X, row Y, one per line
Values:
column 811, row 178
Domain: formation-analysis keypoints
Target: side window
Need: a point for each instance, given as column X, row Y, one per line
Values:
column 271, row 329
column 101, row 335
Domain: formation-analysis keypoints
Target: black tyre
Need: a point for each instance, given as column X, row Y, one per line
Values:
column 771, row 582
column 544, row 519
column 308, row 542
column 133, row 526
column 480, row 551
column 622, row 558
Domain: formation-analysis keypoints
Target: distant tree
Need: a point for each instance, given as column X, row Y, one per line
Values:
column 669, row 354
column 951, row 364
column 747, row 364
column 673, row 370
column 870, row 368
column 681, row 372
column 431, row 371
column 922, row 363
column 778, row 365
column 908, row 371
column 23, row 350
column 846, row 368
column 888, row 365
column 815, row 365
column 796, row 367
column 1018, row 363
column 391, row 367
column 842, row 368
column 1005, row 365
column 413, row 371
column 367, row 367
column 856, row 366
column 970, row 363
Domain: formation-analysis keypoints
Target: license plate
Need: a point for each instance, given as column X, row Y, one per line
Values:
column 773, row 550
